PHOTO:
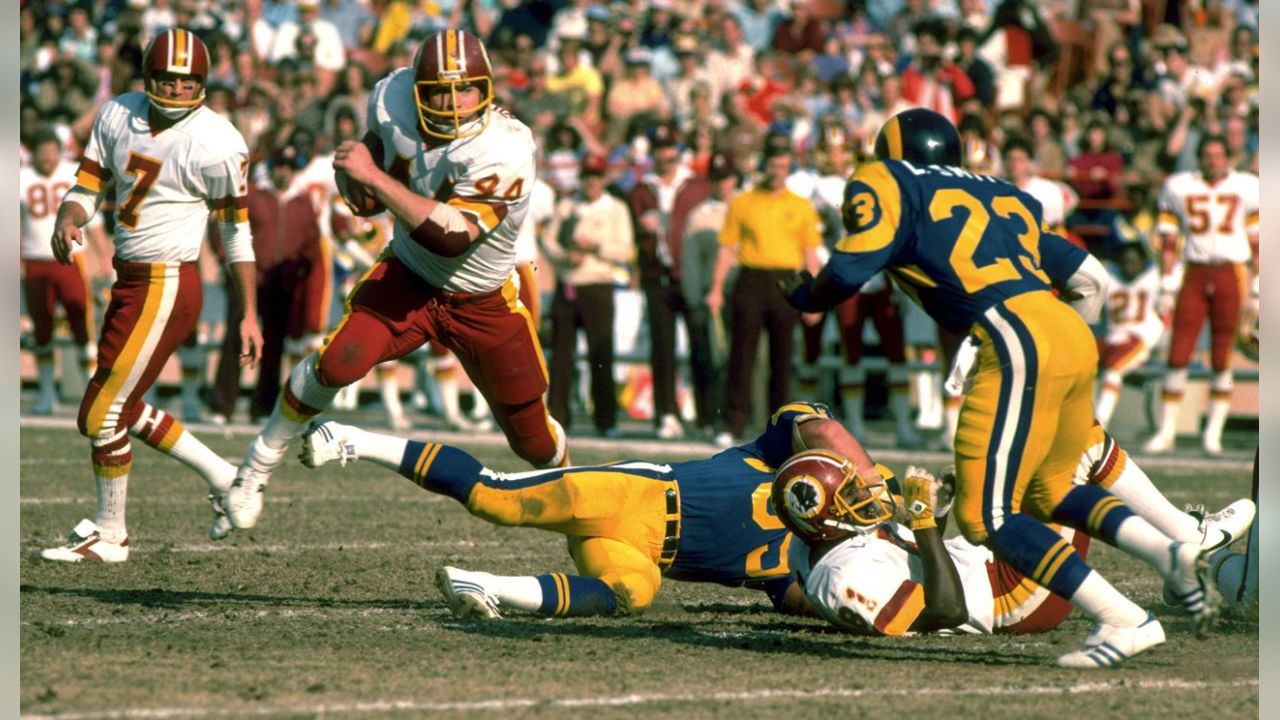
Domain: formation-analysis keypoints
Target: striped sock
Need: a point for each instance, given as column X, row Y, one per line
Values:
column 1041, row 554
column 441, row 469
column 575, row 596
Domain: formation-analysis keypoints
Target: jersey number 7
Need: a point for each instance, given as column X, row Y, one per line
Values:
column 147, row 171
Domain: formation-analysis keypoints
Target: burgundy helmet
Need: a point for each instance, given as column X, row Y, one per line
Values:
column 448, row 59
column 180, row 52
column 819, row 495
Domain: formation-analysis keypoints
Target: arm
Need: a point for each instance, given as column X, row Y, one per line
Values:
column 944, row 603
column 436, row 226
column 226, row 187
column 726, row 258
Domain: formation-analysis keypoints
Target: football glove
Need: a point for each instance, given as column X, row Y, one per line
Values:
column 918, row 492
column 791, row 285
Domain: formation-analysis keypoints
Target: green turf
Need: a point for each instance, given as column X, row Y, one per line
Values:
column 328, row 609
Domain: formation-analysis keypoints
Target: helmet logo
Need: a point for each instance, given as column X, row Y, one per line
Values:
column 804, row 497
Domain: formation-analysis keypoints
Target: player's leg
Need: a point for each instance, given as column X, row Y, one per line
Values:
column 1235, row 574
column 949, row 345
column 745, row 313
column 40, row 290
column 1225, row 307
column 597, row 315
column 388, row 374
column 153, row 308
column 74, row 294
column 781, row 320
column 662, row 359
column 1189, row 314
column 1117, row 359
column 564, row 340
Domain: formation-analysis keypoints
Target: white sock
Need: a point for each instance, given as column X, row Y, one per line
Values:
column 218, row 473
column 518, row 591
column 1140, row 539
column 389, row 388
column 928, row 398
column 385, row 450
column 1139, row 493
column 45, row 372
column 1218, row 410
column 282, row 427
column 952, row 412
column 1175, row 385
column 1107, row 397
column 1098, row 599
column 447, row 381
column 112, row 496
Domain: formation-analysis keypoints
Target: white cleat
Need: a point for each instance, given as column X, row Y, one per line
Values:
column 326, row 441
column 1158, row 444
column 466, row 593
column 221, row 526
column 243, row 501
column 1190, row 587
column 669, row 428
column 87, row 543
column 1212, row 448
column 1115, row 645
column 1227, row 525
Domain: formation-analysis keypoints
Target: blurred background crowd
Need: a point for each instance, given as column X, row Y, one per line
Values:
column 1102, row 98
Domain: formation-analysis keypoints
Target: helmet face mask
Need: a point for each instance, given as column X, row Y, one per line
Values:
column 175, row 54
column 448, row 67
column 820, row 496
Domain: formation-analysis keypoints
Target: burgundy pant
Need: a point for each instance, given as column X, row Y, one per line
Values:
column 1215, row 292
column 47, row 283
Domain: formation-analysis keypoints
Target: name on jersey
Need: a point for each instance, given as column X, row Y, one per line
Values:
column 951, row 172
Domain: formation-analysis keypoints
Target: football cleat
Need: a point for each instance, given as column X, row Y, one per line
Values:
column 221, row 526
column 1227, row 525
column 326, row 441
column 243, row 501
column 1212, row 447
column 669, row 428
column 87, row 543
column 1158, row 444
column 466, row 594
column 1115, row 645
column 1189, row 585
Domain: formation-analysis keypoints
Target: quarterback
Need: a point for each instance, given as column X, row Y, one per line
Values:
column 456, row 172
column 173, row 162
column 629, row 524
column 974, row 251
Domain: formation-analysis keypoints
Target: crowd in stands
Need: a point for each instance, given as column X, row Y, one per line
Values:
column 1108, row 96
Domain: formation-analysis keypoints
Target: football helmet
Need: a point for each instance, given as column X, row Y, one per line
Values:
column 448, row 59
column 819, row 495
column 920, row 136
column 180, row 52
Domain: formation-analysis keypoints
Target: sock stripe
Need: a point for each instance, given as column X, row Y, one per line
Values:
column 417, row 466
column 1051, row 561
column 1099, row 513
column 562, row 592
column 429, row 454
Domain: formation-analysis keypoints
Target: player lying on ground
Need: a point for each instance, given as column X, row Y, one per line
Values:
column 629, row 524
column 887, row 579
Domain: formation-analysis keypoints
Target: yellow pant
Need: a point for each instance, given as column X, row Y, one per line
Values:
column 615, row 521
column 1026, row 419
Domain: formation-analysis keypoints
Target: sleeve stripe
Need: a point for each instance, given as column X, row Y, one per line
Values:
column 89, row 182
column 233, row 215
column 489, row 213
column 903, row 608
column 94, row 169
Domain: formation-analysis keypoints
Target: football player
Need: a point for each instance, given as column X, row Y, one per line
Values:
column 455, row 171
column 974, row 251
column 45, row 281
column 629, row 524
column 172, row 161
column 892, row 578
column 1133, row 325
column 1215, row 208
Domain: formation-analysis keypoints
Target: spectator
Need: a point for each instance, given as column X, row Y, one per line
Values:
column 690, row 74
column 799, row 34
column 769, row 233
column 978, row 69
column 658, row 258
column 931, row 80
column 636, row 93
column 350, row 17
column 1095, row 175
column 758, row 18
column 732, row 60
column 590, row 234
column 579, row 84
column 80, row 39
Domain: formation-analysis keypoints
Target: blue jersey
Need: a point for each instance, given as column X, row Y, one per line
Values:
column 729, row 530
column 959, row 243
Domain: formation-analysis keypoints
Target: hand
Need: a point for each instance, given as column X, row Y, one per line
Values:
column 810, row 319
column 918, row 493
column 64, row 235
column 250, row 341
column 715, row 302
column 791, row 284
column 354, row 159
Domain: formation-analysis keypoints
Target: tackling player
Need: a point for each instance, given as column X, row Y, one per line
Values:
column 173, row 162
column 975, row 253
column 629, row 524
column 1216, row 210
column 45, row 281
column 456, row 172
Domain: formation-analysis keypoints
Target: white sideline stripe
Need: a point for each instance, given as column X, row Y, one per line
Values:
column 383, row 706
column 308, row 547
column 626, row 449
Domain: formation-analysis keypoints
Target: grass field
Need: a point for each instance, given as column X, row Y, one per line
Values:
column 327, row 609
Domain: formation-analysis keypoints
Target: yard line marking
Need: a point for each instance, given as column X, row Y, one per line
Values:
column 664, row 448
column 767, row 695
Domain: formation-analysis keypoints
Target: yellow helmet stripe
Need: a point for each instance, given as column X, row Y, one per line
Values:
column 893, row 135
column 451, row 50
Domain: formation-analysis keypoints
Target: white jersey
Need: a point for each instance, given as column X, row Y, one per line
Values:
column 489, row 176
column 1057, row 200
column 1131, row 308
column 872, row 584
column 168, row 183
column 317, row 181
column 1216, row 220
column 38, row 206
column 542, row 207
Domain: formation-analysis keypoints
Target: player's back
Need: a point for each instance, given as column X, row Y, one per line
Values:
column 961, row 242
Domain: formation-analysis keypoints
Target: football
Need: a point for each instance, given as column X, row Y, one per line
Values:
column 359, row 197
